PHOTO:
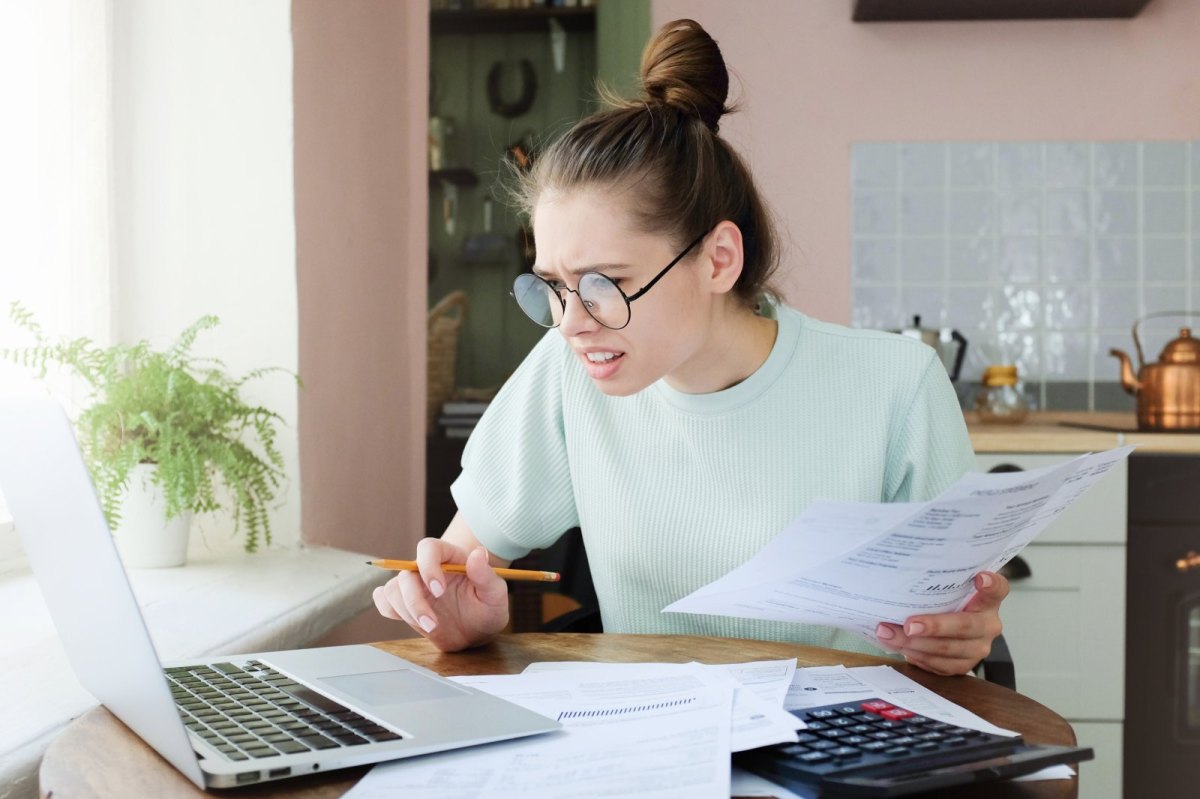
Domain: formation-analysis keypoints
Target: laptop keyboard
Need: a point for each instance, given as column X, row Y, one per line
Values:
column 252, row 711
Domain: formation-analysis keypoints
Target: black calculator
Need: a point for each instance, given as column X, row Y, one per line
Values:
column 871, row 747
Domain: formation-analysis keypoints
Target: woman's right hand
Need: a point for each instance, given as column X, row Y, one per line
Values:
column 454, row 611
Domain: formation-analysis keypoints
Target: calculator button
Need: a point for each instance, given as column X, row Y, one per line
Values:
column 874, row 746
column 856, row 739
column 848, row 710
column 814, row 757
column 925, row 746
column 822, row 745
column 896, row 714
column 875, row 706
column 954, row 740
column 842, row 722
column 845, row 752
column 896, row 751
column 817, row 725
column 822, row 714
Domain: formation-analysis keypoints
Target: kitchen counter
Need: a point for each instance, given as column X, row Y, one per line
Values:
column 1045, row 432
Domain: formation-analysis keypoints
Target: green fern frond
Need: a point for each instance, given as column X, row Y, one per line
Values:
column 173, row 409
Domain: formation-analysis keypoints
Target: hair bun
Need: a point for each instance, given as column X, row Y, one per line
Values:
column 682, row 67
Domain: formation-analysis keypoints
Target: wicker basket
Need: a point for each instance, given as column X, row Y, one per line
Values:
column 445, row 319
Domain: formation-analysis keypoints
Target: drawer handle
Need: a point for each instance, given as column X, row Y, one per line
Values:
column 1016, row 569
column 1189, row 561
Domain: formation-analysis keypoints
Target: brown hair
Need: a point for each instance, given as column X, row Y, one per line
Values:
column 663, row 148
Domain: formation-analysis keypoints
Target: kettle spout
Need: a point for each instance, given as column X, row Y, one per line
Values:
column 1128, row 381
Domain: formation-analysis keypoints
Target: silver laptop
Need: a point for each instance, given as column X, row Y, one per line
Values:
column 223, row 721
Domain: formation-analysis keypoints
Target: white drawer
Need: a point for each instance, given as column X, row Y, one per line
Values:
column 1065, row 626
column 1100, row 778
column 1097, row 517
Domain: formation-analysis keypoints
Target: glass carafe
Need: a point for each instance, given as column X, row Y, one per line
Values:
column 1001, row 400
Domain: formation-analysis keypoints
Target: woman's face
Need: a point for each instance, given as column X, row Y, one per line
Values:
column 587, row 230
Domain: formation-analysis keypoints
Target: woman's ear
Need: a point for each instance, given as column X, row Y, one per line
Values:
column 724, row 251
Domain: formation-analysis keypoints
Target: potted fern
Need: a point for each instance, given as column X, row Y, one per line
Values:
column 165, row 434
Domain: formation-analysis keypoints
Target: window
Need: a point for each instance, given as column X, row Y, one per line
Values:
column 55, row 156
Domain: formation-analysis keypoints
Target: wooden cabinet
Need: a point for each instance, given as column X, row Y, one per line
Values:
column 1065, row 622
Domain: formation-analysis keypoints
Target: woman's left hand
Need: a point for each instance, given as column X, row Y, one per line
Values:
column 951, row 643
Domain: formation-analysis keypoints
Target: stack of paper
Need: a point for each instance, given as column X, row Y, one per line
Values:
column 648, row 730
column 855, row 564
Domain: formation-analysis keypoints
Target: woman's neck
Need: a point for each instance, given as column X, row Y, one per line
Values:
column 738, row 343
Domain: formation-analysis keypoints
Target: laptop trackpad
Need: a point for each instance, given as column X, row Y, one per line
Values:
column 393, row 687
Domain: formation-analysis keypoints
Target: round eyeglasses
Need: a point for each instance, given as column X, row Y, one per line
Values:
column 603, row 299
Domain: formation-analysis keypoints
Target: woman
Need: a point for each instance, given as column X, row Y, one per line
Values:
column 677, row 414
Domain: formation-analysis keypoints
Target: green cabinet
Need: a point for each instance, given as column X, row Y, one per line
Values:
column 482, row 64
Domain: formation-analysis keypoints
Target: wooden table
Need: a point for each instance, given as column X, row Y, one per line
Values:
column 98, row 756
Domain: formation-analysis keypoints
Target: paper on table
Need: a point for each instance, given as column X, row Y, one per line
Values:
column 758, row 715
column 869, row 562
column 654, row 737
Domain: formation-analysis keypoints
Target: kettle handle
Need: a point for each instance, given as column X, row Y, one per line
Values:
column 1156, row 315
column 962, row 352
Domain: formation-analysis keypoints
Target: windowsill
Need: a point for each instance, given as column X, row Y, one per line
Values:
column 216, row 605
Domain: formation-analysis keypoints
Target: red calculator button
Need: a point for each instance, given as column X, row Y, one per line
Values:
column 896, row 713
column 876, row 706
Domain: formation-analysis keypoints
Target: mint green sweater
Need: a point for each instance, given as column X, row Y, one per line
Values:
column 673, row 490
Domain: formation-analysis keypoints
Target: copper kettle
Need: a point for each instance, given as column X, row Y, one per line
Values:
column 1168, row 391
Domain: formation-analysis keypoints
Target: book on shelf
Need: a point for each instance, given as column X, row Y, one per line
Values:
column 464, row 408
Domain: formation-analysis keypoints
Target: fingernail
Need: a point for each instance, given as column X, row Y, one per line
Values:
column 885, row 632
column 914, row 628
column 436, row 587
column 426, row 624
column 986, row 580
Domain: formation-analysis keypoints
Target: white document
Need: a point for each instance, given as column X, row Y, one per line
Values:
column 855, row 564
column 760, row 687
column 656, row 737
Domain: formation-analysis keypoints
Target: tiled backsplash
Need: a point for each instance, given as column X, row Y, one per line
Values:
column 1041, row 253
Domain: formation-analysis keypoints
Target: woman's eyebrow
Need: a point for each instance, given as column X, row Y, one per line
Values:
column 546, row 274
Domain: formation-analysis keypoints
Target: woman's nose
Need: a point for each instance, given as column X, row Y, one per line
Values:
column 576, row 318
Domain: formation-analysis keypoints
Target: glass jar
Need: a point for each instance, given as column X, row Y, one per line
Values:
column 1001, row 400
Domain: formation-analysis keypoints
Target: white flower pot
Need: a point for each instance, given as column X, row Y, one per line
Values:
column 145, row 538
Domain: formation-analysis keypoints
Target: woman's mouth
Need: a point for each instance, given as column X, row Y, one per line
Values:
column 602, row 364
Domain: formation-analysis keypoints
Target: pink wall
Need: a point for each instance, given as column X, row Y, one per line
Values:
column 360, row 88
column 815, row 82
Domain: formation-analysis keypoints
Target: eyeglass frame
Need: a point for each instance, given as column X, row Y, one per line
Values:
column 628, row 299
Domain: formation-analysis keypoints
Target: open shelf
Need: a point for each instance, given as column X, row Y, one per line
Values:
column 458, row 175
column 929, row 10
column 510, row 20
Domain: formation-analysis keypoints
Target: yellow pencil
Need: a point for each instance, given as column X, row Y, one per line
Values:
column 454, row 568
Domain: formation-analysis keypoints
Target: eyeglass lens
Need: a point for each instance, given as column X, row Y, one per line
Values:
column 545, row 304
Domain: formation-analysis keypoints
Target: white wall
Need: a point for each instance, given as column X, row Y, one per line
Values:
column 204, row 197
